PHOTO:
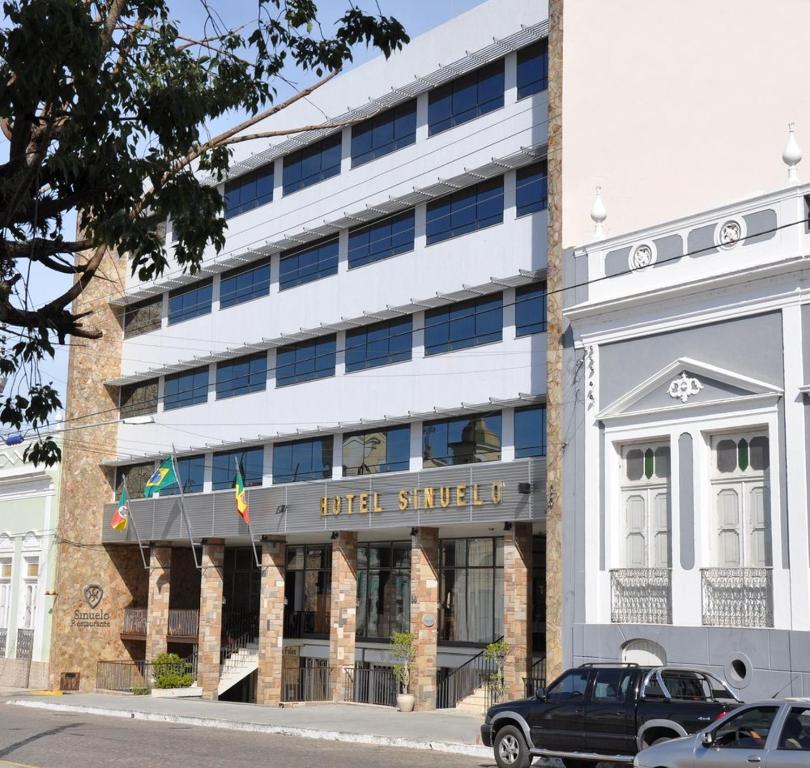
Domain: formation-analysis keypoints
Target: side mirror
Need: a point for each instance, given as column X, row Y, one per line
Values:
column 540, row 693
column 707, row 739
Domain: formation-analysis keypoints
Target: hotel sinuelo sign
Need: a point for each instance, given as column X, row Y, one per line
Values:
column 488, row 492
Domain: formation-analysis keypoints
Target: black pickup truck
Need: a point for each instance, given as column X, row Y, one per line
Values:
column 600, row 712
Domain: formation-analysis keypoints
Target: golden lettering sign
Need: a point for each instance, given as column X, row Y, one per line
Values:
column 430, row 497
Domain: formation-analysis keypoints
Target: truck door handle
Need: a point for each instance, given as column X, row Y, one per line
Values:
column 753, row 759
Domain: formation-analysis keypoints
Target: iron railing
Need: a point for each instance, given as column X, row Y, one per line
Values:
column 312, row 682
column 25, row 643
column 737, row 597
column 3, row 641
column 134, row 621
column 641, row 596
column 536, row 679
column 138, row 675
column 456, row 684
column 184, row 622
column 370, row 685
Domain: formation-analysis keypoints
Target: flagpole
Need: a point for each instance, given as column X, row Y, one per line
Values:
column 249, row 525
column 131, row 518
column 197, row 564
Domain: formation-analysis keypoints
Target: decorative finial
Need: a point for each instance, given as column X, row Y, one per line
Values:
column 792, row 155
column 598, row 214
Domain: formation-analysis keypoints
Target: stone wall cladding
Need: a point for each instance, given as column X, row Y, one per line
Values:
column 271, row 622
column 15, row 673
column 425, row 615
column 157, row 619
column 213, row 567
column 517, row 607
column 343, row 609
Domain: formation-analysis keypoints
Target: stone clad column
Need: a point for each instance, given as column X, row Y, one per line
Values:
column 271, row 622
column 517, row 607
column 343, row 613
column 425, row 615
column 213, row 566
column 157, row 614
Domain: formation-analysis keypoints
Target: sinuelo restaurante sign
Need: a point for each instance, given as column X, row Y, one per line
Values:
column 429, row 497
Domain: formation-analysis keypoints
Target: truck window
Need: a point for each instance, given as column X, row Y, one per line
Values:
column 611, row 685
column 571, row 685
column 686, row 686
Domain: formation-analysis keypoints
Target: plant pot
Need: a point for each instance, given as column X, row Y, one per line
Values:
column 405, row 702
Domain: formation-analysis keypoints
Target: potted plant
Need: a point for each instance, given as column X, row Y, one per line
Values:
column 496, row 653
column 402, row 651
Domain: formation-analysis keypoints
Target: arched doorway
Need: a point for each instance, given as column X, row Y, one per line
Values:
column 645, row 653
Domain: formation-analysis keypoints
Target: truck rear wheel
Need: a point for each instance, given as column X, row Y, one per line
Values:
column 511, row 750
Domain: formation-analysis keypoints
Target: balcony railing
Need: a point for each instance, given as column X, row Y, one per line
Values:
column 641, row 596
column 25, row 643
column 183, row 622
column 737, row 597
column 134, row 622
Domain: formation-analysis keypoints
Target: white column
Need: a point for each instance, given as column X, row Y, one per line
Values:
column 509, row 329
column 346, row 150
column 340, row 353
column 337, row 456
column 416, row 446
column 510, row 78
column 267, row 469
column 343, row 251
column 421, row 117
column 278, row 178
column 208, row 473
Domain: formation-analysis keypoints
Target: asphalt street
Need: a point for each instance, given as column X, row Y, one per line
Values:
column 45, row 739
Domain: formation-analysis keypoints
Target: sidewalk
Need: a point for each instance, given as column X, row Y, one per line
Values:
column 444, row 731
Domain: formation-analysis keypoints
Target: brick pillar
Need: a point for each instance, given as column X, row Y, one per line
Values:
column 517, row 607
column 157, row 615
column 213, row 559
column 271, row 623
column 425, row 615
column 343, row 615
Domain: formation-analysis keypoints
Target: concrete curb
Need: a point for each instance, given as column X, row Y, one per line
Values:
column 277, row 730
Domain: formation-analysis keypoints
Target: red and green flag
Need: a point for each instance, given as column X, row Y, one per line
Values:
column 120, row 517
column 240, row 496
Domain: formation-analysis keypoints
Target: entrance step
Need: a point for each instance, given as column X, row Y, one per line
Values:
column 476, row 703
column 237, row 667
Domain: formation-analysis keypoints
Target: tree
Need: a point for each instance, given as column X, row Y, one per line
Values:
column 104, row 106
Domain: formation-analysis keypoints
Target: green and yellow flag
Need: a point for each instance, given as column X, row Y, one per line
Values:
column 161, row 478
column 240, row 496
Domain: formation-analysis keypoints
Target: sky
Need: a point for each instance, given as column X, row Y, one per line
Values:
column 417, row 16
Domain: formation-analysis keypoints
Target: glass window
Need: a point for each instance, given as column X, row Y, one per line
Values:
column 465, row 440
column 302, row 460
column 251, row 463
column 380, row 344
column 308, row 264
column 186, row 303
column 306, row 361
column 383, row 589
column 465, row 211
column 611, row 685
column 391, row 130
column 462, row 325
column 243, row 375
column 531, row 189
column 192, row 472
column 530, row 431
column 471, row 590
column 183, row 389
column 747, row 729
column 138, row 399
column 307, row 590
column 249, row 191
column 384, row 450
column 572, row 685
column 532, row 68
column 312, row 164
column 381, row 239
column 142, row 317
column 136, row 476
column 530, row 309
column 466, row 98
column 796, row 730
column 244, row 284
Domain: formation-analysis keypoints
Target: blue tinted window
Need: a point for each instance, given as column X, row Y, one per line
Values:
column 308, row 264
column 530, row 309
column 466, row 98
column 184, row 389
column 531, row 192
column 383, row 450
column 251, row 462
column 305, row 361
column 379, row 344
column 465, row 211
column 381, row 239
column 384, row 133
column 466, row 324
column 530, row 431
column 466, row 440
column 312, row 164
column 192, row 472
column 186, row 303
column 302, row 460
column 249, row 191
column 532, row 69
column 238, row 377
column 244, row 284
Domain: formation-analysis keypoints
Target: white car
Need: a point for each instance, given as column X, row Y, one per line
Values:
column 768, row 734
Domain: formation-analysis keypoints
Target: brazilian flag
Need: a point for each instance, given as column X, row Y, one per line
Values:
column 161, row 478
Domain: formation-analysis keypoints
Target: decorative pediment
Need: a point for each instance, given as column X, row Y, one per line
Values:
column 687, row 382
